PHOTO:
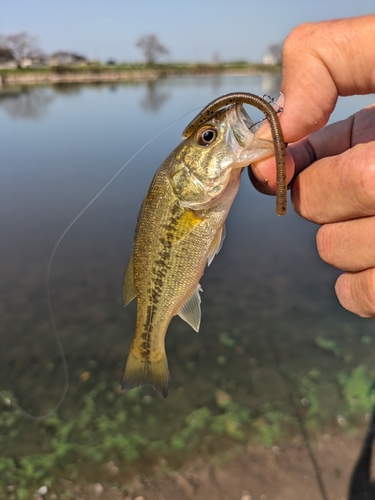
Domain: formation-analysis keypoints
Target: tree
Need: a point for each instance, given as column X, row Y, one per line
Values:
column 275, row 52
column 21, row 45
column 5, row 55
column 152, row 48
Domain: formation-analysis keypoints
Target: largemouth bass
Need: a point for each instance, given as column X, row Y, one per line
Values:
column 179, row 231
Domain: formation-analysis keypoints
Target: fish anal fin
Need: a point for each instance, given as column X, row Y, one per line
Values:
column 128, row 284
column 153, row 372
column 185, row 224
column 216, row 245
column 191, row 310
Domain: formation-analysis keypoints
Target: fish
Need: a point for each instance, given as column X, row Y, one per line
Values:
column 180, row 228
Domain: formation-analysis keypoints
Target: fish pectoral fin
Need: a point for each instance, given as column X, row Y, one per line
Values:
column 153, row 372
column 191, row 310
column 216, row 244
column 128, row 284
column 185, row 224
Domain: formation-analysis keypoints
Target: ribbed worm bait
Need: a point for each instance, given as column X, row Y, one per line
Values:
column 277, row 135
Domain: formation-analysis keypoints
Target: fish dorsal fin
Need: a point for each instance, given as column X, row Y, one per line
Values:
column 216, row 244
column 191, row 310
column 128, row 284
column 185, row 224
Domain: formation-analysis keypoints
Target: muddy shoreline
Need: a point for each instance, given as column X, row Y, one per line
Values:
column 108, row 76
column 266, row 473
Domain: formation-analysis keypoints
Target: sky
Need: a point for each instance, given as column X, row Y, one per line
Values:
column 192, row 30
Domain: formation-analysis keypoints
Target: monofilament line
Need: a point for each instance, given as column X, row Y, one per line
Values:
column 8, row 402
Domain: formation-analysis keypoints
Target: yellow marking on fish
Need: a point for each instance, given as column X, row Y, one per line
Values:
column 185, row 224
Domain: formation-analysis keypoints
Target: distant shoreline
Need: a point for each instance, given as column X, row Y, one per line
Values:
column 65, row 75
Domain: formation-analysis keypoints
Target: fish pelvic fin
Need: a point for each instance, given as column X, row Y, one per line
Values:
column 153, row 372
column 191, row 310
column 128, row 284
column 216, row 244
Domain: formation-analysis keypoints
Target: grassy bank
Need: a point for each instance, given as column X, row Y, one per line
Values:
column 125, row 72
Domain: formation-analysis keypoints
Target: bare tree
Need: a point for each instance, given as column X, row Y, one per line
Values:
column 21, row 45
column 275, row 50
column 152, row 48
column 5, row 54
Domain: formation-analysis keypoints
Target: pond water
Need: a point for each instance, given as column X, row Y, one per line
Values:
column 274, row 393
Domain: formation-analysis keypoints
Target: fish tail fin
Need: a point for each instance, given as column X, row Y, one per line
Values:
column 153, row 372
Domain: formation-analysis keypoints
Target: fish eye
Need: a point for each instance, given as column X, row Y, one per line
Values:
column 206, row 136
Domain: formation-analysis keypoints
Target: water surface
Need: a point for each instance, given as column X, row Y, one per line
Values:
column 277, row 361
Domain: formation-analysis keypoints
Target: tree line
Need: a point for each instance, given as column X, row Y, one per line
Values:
column 24, row 45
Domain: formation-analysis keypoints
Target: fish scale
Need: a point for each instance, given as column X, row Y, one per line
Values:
column 179, row 230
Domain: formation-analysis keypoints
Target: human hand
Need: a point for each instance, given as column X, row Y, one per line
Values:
column 337, row 190
column 334, row 168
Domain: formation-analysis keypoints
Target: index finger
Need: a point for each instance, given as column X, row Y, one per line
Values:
column 338, row 183
column 334, row 139
column 337, row 188
column 320, row 62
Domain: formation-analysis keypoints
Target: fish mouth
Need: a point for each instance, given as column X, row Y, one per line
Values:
column 242, row 140
column 240, row 124
column 244, row 118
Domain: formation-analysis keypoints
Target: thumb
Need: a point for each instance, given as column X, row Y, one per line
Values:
column 320, row 62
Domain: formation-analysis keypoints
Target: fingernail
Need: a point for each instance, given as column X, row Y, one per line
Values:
column 264, row 131
column 257, row 175
column 279, row 104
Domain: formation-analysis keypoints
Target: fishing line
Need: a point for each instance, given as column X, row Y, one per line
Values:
column 7, row 401
column 285, row 377
column 277, row 107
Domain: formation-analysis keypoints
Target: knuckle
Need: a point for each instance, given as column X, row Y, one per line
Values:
column 301, row 34
column 302, row 39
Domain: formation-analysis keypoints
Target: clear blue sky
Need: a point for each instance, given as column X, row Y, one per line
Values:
column 190, row 29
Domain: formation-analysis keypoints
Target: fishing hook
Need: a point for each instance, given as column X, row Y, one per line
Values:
column 277, row 135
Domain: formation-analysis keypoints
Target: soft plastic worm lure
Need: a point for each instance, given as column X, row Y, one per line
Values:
column 277, row 135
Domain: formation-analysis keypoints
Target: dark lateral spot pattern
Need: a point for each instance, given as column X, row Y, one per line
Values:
column 158, row 274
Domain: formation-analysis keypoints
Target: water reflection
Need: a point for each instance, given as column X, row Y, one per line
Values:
column 25, row 103
column 216, row 83
column 271, row 85
column 155, row 97
column 278, row 371
column 68, row 88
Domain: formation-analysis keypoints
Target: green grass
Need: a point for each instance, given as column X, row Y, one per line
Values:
column 134, row 430
column 176, row 68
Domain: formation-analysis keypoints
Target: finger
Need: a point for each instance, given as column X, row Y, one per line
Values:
column 348, row 245
column 356, row 292
column 266, row 183
column 320, row 62
column 334, row 139
column 337, row 188
column 329, row 141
